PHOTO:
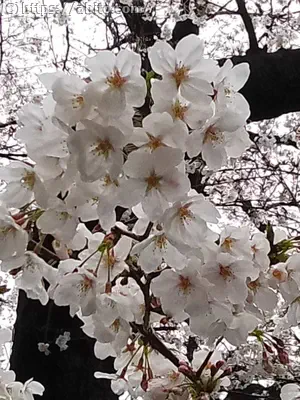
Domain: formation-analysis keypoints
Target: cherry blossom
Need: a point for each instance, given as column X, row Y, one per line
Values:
column 116, row 81
column 222, row 136
column 184, row 68
column 97, row 150
column 155, row 180
column 229, row 275
column 13, row 239
column 23, row 186
column 156, row 249
column 189, row 290
column 159, row 130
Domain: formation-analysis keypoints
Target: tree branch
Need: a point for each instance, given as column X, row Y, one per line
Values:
column 248, row 25
column 8, row 123
column 150, row 337
column 138, row 238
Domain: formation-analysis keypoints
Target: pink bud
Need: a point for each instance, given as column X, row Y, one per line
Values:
column 265, row 355
column 283, row 357
column 220, row 363
column 182, row 362
column 184, row 369
column 144, row 383
column 268, row 348
column 227, row 372
column 96, row 228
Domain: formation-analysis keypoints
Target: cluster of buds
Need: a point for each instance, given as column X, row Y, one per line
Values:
column 273, row 349
column 210, row 379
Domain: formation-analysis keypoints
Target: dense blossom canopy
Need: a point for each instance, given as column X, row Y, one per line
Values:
column 171, row 263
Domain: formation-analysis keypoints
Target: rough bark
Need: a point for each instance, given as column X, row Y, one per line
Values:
column 65, row 374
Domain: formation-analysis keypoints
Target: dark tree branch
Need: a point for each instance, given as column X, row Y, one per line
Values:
column 12, row 155
column 8, row 123
column 279, row 140
column 273, row 87
column 248, row 25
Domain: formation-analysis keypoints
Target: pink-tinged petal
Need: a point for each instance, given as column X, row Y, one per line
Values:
column 214, row 156
column 113, row 101
column 101, row 64
column 165, row 159
column 194, row 87
column 162, row 58
column 238, row 76
column 128, row 62
column 138, row 165
column 154, row 204
column 49, row 78
column 223, row 72
column 189, row 51
column 135, row 91
column 174, row 185
column 194, row 144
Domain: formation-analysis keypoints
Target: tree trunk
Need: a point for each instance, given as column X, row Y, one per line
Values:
column 68, row 374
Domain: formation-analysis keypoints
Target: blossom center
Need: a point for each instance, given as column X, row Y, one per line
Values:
column 116, row 80
column 179, row 110
column 181, row 74
column 77, row 101
column 28, row 180
column 115, row 326
column 185, row 214
column 227, row 244
column 254, row 249
column 108, row 181
column 153, row 181
column 161, row 242
column 64, row 216
column 86, row 284
column 225, row 272
column 102, row 148
column 279, row 275
column 184, row 284
column 154, row 142
column 254, row 285
column 213, row 136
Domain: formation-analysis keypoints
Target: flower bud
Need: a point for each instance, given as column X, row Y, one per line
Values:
column 268, row 348
column 96, row 228
column 184, row 368
column 219, row 364
column 283, row 357
column 227, row 372
column 279, row 342
column 144, row 383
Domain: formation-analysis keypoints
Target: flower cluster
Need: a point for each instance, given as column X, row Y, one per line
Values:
column 89, row 162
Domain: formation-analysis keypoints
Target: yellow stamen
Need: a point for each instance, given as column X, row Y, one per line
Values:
column 180, row 75
column 116, row 80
